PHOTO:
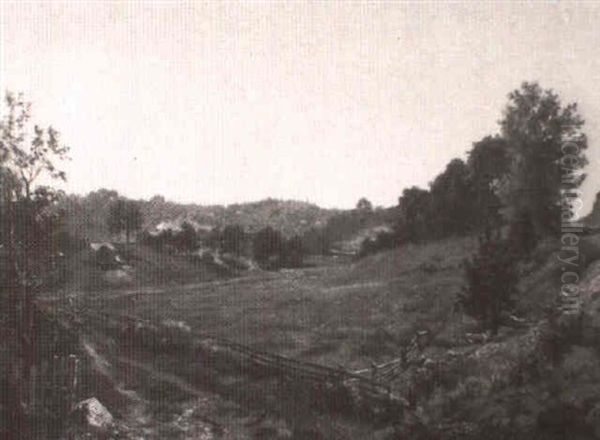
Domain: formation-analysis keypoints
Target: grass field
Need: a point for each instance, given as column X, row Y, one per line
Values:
column 337, row 312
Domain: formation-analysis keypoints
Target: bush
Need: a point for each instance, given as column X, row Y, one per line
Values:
column 491, row 276
column 267, row 246
column 383, row 240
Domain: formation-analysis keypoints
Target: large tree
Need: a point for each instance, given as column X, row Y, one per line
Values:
column 27, row 150
column 28, row 154
column 547, row 146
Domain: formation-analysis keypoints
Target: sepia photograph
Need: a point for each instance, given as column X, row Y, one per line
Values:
column 299, row 220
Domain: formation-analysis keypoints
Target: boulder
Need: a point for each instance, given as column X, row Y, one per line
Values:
column 93, row 415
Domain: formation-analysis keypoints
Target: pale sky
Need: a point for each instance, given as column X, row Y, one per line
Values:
column 321, row 101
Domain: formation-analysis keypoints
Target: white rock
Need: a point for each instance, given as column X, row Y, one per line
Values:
column 95, row 414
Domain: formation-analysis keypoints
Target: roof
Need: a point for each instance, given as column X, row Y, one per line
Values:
column 97, row 246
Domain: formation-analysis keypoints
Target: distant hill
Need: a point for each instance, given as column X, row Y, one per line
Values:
column 86, row 215
column 342, row 230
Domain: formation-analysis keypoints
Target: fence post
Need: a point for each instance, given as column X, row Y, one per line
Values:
column 73, row 367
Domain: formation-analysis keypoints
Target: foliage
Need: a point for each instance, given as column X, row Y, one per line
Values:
column 28, row 227
column 347, row 229
column 547, row 146
column 488, row 164
column 292, row 252
column 186, row 239
column 451, row 201
column 27, row 151
column 364, row 205
column 415, row 218
column 491, row 277
column 267, row 244
column 273, row 251
column 233, row 239
column 527, row 177
column 124, row 216
column 382, row 241
column 316, row 241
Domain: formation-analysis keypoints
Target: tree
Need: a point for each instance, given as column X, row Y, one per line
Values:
column 29, row 151
column 27, row 154
column 233, row 239
column 316, row 241
column 547, row 146
column 124, row 216
column 364, row 205
column 452, row 201
column 415, row 209
column 491, row 277
column 293, row 252
column 488, row 164
column 187, row 238
column 267, row 245
column 27, row 231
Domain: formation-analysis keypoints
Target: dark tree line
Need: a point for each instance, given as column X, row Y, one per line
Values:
column 514, row 189
column 520, row 179
column 463, row 199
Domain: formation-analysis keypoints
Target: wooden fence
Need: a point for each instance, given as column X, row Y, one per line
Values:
column 367, row 390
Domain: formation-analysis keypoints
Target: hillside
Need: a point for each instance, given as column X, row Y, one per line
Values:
column 86, row 215
column 455, row 381
column 343, row 230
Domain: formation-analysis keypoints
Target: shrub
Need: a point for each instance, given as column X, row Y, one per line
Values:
column 267, row 246
column 491, row 277
column 383, row 240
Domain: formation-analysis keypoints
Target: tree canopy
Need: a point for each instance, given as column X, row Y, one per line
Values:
column 547, row 145
column 124, row 216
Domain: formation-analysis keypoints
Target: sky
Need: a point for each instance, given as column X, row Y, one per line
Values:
column 323, row 101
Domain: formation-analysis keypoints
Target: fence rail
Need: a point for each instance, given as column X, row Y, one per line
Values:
column 366, row 389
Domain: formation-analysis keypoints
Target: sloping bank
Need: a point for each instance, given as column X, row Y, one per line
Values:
column 542, row 382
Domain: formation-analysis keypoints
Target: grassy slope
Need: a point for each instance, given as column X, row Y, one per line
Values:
column 353, row 314
column 148, row 268
column 347, row 314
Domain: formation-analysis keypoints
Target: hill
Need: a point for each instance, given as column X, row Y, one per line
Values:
column 344, row 230
column 85, row 216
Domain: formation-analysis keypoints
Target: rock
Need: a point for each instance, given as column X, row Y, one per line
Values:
column 94, row 415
